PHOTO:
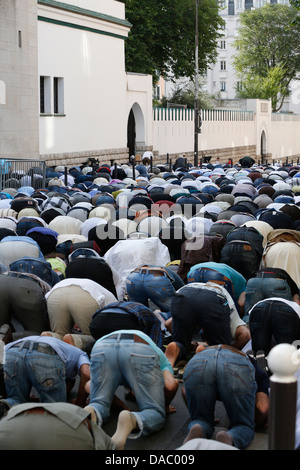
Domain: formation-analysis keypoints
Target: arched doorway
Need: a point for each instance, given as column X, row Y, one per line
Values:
column 263, row 147
column 135, row 130
column 131, row 134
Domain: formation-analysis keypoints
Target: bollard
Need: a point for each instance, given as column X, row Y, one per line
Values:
column 283, row 361
column 66, row 176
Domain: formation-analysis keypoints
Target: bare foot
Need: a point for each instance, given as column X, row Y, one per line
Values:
column 92, row 412
column 224, row 437
column 126, row 424
column 69, row 339
column 172, row 352
column 196, row 432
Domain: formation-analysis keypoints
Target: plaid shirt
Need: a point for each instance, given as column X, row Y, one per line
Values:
column 56, row 202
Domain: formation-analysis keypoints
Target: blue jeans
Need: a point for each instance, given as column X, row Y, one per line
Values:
column 273, row 321
column 207, row 274
column 25, row 368
column 220, row 374
column 40, row 267
column 117, row 362
column 147, row 285
column 263, row 287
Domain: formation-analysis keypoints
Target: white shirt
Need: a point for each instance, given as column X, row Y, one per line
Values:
column 293, row 305
column 99, row 293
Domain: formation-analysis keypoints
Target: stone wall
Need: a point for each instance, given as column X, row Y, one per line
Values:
column 77, row 158
column 233, row 153
column 19, row 134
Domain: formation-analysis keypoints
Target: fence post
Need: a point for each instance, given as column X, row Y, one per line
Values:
column 66, row 176
column 283, row 360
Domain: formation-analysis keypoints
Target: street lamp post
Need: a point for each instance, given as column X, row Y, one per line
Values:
column 197, row 115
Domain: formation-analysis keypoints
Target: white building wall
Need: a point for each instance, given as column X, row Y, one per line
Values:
column 139, row 98
column 284, row 141
column 220, row 129
column 91, row 64
column 265, row 134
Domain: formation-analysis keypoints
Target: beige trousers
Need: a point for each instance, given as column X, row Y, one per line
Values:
column 67, row 306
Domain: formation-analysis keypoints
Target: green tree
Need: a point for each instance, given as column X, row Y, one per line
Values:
column 162, row 38
column 296, row 4
column 270, row 87
column 185, row 95
column 267, row 55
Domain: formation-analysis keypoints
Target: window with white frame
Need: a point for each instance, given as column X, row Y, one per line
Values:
column 222, row 86
column 260, row 3
column 223, row 65
column 239, row 86
column 58, row 95
column 222, row 44
column 45, row 95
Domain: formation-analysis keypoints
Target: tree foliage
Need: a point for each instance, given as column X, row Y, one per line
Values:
column 162, row 38
column 270, row 87
column 268, row 52
column 184, row 94
column 296, row 4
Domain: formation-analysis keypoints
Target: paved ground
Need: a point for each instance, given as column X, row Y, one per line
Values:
column 173, row 434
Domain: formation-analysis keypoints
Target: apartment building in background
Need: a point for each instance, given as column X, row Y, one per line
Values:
column 221, row 79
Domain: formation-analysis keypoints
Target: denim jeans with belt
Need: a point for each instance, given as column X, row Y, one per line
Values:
column 259, row 288
column 221, row 374
column 273, row 321
column 26, row 367
column 124, row 362
column 149, row 284
column 207, row 274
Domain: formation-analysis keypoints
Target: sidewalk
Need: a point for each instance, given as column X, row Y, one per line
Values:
column 171, row 437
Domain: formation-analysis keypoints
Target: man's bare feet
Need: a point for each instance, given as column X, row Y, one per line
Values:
column 196, row 432
column 172, row 352
column 69, row 339
column 126, row 424
column 92, row 412
column 224, row 437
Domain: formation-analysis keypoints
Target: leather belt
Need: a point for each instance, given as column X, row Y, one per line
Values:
column 127, row 336
column 226, row 346
column 155, row 272
column 268, row 274
column 40, row 347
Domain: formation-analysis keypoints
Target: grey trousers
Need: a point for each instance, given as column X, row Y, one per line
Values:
column 24, row 299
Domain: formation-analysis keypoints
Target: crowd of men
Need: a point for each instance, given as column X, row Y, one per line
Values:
column 122, row 276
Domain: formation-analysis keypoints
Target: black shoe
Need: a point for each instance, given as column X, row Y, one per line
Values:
column 3, row 409
column 262, row 361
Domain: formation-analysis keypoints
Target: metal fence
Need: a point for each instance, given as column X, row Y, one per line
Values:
column 19, row 173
